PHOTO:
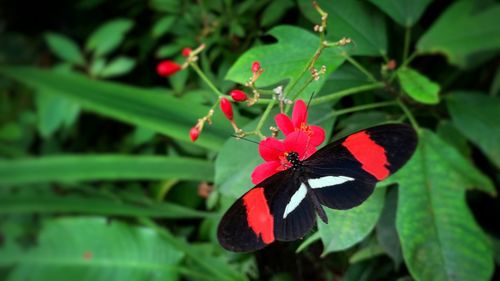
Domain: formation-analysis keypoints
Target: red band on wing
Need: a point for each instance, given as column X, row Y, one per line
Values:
column 259, row 217
column 371, row 155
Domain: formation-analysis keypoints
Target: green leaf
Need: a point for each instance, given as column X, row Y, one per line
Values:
column 148, row 108
column 29, row 203
column 95, row 249
column 118, row 66
column 462, row 31
column 108, row 36
column 162, row 26
column 419, row 87
column 171, row 6
column 475, row 115
column 283, row 60
column 53, row 112
column 213, row 266
column 448, row 132
column 65, row 48
column 366, row 253
column 354, row 19
column 102, row 167
column 387, row 235
column 439, row 237
column 348, row 227
column 404, row 12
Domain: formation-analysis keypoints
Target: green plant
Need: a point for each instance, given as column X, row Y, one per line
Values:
column 68, row 191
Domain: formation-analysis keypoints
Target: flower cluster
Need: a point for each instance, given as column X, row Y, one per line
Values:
column 224, row 103
column 300, row 138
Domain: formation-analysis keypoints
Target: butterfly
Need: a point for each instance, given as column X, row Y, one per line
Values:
column 341, row 176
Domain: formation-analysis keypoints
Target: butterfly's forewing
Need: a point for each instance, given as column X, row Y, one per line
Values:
column 343, row 174
column 264, row 214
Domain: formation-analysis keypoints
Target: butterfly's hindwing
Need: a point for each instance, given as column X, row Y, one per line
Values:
column 260, row 216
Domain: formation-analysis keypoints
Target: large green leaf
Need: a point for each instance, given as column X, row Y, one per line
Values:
column 70, row 168
column 463, row 30
column 439, row 237
column 418, row 86
column 477, row 117
column 354, row 19
column 404, row 12
column 95, row 249
column 28, row 203
column 65, row 48
column 348, row 227
column 284, row 59
column 151, row 109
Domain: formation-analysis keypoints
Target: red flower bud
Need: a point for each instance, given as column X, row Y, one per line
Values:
column 227, row 108
column 392, row 64
column 186, row 52
column 194, row 133
column 255, row 66
column 167, row 67
column 238, row 95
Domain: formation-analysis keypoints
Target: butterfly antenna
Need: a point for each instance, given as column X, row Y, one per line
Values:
column 252, row 141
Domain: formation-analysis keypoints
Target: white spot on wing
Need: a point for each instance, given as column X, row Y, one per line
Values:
column 295, row 200
column 328, row 181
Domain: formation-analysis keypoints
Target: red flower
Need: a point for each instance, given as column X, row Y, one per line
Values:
column 227, row 108
column 299, row 123
column 194, row 133
column 275, row 152
column 238, row 95
column 186, row 52
column 167, row 67
column 255, row 66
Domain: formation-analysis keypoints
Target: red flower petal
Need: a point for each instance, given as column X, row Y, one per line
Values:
column 284, row 123
column 317, row 136
column 265, row 170
column 271, row 149
column 226, row 108
column 299, row 114
column 297, row 142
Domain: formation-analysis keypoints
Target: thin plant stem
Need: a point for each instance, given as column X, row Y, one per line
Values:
column 408, row 114
column 347, row 92
column 356, row 109
column 263, row 119
column 406, row 47
column 359, row 67
column 205, row 79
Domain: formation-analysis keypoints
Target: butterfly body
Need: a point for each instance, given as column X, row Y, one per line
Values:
column 341, row 176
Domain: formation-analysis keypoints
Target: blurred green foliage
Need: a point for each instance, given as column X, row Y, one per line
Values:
column 99, row 180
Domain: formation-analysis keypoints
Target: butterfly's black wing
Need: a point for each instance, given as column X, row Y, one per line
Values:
column 275, row 209
column 343, row 174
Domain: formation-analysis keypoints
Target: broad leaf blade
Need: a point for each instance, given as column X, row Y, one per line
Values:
column 439, row 237
column 151, row 109
column 463, row 31
column 283, row 60
column 404, row 12
column 354, row 19
column 476, row 116
column 419, row 87
column 348, row 227
column 94, row 249
column 30, row 203
column 71, row 168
